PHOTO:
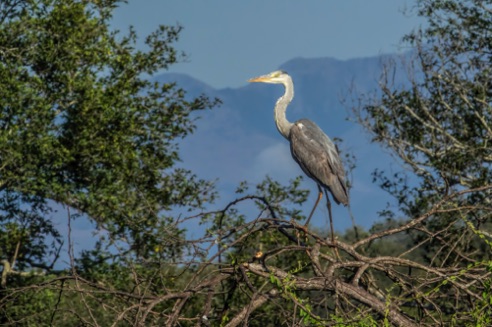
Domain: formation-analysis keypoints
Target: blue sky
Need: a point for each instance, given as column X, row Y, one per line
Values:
column 229, row 41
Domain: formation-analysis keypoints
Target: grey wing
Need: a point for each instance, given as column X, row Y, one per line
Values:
column 318, row 157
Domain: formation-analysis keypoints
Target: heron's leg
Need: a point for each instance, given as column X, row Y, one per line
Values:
column 320, row 195
column 328, row 205
column 332, row 230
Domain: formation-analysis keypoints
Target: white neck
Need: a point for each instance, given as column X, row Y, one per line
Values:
column 283, row 125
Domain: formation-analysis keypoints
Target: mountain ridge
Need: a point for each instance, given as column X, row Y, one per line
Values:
column 238, row 140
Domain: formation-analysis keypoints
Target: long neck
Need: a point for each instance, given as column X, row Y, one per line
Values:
column 283, row 125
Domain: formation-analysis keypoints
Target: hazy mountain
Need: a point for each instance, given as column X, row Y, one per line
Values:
column 320, row 85
column 238, row 141
column 192, row 86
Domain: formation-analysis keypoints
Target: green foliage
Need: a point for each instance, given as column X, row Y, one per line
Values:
column 438, row 124
column 28, row 239
column 84, row 126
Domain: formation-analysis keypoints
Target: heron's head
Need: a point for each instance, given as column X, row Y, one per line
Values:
column 276, row 77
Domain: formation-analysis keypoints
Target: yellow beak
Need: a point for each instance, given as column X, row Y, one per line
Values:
column 259, row 79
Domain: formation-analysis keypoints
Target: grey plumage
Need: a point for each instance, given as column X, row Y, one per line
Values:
column 318, row 158
column 311, row 148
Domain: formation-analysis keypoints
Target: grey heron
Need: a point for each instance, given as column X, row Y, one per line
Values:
column 311, row 148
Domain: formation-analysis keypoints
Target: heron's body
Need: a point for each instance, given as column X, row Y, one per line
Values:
column 318, row 158
column 311, row 148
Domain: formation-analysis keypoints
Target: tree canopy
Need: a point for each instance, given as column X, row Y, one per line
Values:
column 82, row 124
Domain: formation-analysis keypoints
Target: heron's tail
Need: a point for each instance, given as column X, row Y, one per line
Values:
column 340, row 194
